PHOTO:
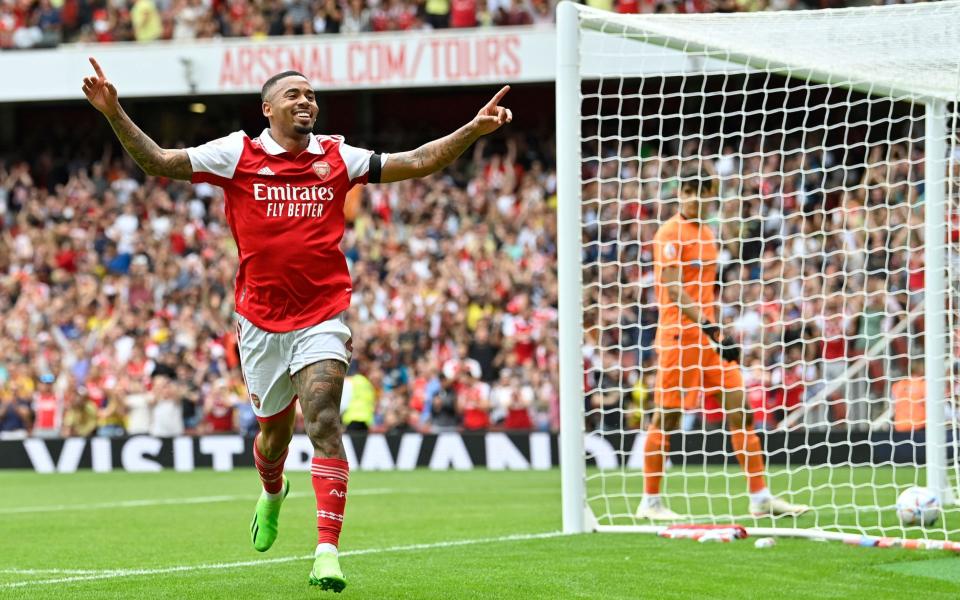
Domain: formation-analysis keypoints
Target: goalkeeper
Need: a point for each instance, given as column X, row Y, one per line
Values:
column 694, row 356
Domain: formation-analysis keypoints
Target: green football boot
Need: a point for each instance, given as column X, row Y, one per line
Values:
column 263, row 528
column 326, row 572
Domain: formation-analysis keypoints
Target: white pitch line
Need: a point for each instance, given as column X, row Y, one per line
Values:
column 169, row 501
column 52, row 571
column 251, row 563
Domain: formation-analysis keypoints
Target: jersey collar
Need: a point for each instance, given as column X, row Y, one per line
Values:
column 273, row 147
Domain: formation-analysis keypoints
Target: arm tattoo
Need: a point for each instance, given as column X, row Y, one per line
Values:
column 153, row 159
column 430, row 157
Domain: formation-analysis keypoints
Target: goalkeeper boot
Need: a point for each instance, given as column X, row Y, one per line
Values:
column 771, row 506
column 326, row 571
column 266, row 517
column 652, row 508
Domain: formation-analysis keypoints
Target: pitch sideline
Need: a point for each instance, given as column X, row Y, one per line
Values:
column 169, row 501
column 113, row 574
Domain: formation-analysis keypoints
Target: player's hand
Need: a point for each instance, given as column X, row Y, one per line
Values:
column 729, row 350
column 724, row 344
column 100, row 92
column 492, row 116
column 711, row 330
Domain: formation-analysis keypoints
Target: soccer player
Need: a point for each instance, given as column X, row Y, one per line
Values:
column 284, row 193
column 693, row 355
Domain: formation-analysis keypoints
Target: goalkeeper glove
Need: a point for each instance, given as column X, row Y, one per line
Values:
column 725, row 345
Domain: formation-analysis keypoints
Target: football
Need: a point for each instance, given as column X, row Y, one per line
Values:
column 918, row 506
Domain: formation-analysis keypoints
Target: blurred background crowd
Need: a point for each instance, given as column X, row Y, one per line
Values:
column 116, row 292
column 46, row 23
column 821, row 274
column 116, row 300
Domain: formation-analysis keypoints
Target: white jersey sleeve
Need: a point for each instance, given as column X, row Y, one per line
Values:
column 219, row 157
column 357, row 160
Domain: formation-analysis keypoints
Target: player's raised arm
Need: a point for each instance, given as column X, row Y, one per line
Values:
column 153, row 159
column 435, row 155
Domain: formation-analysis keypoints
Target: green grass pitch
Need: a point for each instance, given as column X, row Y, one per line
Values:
column 418, row 534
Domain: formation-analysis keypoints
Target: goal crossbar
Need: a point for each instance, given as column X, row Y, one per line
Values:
column 928, row 81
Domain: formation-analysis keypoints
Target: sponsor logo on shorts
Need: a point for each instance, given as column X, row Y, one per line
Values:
column 256, row 400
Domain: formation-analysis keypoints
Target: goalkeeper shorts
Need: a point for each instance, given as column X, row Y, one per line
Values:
column 687, row 365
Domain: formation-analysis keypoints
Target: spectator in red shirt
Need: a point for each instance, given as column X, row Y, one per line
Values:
column 47, row 408
column 518, row 411
column 473, row 401
column 394, row 15
column 761, row 398
column 463, row 13
column 219, row 409
column 103, row 25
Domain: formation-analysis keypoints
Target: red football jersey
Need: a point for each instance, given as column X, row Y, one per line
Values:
column 286, row 214
column 46, row 406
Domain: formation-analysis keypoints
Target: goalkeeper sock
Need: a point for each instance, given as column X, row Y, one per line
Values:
column 330, row 487
column 655, row 448
column 746, row 445
column 271, row 471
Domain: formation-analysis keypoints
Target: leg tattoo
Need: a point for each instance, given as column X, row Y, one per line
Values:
column 320, row 386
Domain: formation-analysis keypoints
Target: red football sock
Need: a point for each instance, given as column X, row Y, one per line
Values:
column 330, row 486
column 655, row 448
column 271, row 471
column 746, row 445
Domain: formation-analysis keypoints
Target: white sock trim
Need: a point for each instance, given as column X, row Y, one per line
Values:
column 761, row 496
column 273, row 497
column 325, row 549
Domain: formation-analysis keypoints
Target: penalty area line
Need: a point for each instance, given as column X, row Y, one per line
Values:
column 116, row 573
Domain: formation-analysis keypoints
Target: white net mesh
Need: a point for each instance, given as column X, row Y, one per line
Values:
column 812, row 126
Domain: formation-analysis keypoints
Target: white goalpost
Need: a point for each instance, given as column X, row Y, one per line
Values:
column 830, row 138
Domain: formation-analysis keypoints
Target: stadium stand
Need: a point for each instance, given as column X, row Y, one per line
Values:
column 798, row 253
column 46, row 23
column 112, row 284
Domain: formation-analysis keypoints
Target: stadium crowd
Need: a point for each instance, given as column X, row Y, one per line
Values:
column 116, row 300
column 116, row 292
column 46, row 23
column 821, row 260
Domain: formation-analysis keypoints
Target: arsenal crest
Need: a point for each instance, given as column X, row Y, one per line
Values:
column 322, row 169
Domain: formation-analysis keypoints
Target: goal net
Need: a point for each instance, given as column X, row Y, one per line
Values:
column 829, row 137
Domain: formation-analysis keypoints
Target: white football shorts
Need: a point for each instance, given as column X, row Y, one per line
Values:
column 269, row 360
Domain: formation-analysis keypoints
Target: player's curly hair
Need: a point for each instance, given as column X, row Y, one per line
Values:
column 268, row 84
